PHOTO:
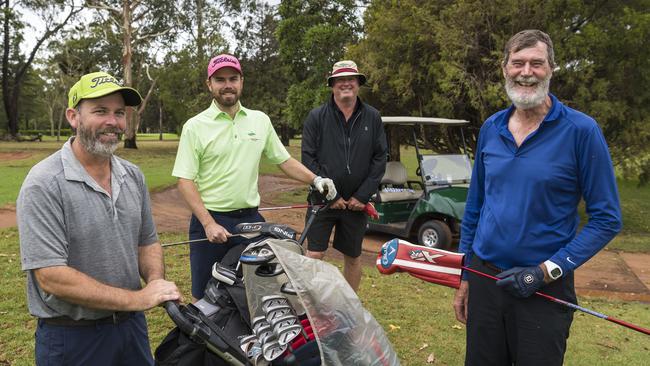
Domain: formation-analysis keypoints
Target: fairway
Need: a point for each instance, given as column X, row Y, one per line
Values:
column 417, row 316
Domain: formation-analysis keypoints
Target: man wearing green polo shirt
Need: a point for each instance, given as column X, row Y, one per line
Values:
column 217, row 168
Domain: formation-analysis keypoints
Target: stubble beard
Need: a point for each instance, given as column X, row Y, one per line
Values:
column 524, row 100
column 230, row 102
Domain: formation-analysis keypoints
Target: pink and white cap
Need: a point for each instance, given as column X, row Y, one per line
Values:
column 221, row 61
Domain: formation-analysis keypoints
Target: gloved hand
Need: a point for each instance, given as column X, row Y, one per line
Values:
column 325, row 184
column 521, row 281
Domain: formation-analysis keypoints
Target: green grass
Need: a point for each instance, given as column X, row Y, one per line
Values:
column 156, row 159
column 416, row 316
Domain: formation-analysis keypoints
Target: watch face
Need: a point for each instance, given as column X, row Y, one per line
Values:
column 556, row 272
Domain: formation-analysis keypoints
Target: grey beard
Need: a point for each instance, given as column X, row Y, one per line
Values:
column 93, row 145
column 527, row 101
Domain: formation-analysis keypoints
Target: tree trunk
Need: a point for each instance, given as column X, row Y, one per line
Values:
column 160, row 119
column 58, row 129
column 199, row 31
column 10, row 108
column 127, row 54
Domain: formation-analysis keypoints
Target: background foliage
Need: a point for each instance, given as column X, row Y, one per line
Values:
column 426, row 58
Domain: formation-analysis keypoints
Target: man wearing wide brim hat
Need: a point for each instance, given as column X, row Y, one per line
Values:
column 344, row 139
column 345, row 68
column 87, row 239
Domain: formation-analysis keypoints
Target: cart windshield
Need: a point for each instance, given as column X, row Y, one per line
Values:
column 446, row 169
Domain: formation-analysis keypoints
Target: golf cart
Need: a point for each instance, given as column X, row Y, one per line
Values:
column 430, row 208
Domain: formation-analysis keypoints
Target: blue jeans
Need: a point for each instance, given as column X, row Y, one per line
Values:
column 204, row 254
column 125, row 343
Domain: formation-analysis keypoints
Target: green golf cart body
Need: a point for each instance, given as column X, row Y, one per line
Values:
column 428, row 210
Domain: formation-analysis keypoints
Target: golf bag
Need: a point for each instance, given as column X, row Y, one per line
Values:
column 274, row 306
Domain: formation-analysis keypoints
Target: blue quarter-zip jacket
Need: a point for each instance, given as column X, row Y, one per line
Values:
column 522, row 203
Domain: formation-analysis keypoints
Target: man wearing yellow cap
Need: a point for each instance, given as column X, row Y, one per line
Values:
column 87, row 239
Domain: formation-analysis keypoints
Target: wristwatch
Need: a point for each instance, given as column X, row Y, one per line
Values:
column 554, row 271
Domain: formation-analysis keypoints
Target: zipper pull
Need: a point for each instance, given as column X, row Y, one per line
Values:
column 349, row 171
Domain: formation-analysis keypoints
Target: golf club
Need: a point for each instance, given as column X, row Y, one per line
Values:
column 269, row 270
column 257, row 256
column 444, row 268
column 273, row 350
column 271, row 300
column 247, row 342
column 288, row 333
column 287, row 288
column 274, row 312
column 283, row 321
column 573, row 306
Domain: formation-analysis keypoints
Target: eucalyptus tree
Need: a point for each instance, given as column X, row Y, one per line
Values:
column 313, row 35
column 446, row 60
column 183, row 92
column 141, row 27
column 16, row 64
column 258, row 50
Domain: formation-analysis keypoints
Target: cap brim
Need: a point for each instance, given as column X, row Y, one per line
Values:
column 131, row 96
column 361, row 77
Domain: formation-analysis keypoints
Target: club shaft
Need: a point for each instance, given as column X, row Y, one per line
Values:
column 284, row 207
column 573, row 306
column 183, row 242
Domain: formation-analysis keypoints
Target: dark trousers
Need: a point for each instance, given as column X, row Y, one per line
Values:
column 122, row 344
column 504, row 330
column 204, row 254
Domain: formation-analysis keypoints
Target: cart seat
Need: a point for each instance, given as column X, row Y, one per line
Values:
column 394, row 185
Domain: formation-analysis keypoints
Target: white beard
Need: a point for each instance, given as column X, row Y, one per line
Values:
column 527, row 100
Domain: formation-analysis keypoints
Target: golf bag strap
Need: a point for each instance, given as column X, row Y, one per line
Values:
column 219, row 332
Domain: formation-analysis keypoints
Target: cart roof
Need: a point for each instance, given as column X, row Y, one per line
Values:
column 405, row 120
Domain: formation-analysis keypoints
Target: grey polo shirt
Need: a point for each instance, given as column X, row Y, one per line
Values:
column 66, row 219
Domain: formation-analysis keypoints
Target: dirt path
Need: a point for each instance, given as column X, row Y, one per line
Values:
column 609, row 274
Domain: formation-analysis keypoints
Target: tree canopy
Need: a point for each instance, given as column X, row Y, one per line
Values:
column 426, row 58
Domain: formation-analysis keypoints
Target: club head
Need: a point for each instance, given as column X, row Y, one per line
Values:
column 269, row 270
column 257, row 255
column 263, row 331
column 283, row 321
column 254, row 350
column 273, row 312
column 273, row 350
column 287, row 288
column 287, row 334
column 246, row 342
column 256, row 320
column 268, row 338
column 273, row 300
column 223, row 274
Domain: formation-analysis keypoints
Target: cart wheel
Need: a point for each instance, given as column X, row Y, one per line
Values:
column 434, row 234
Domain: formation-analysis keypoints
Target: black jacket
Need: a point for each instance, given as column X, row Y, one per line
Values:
column 354, row 156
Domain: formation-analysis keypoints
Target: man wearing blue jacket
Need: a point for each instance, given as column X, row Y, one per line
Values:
column 534, row 162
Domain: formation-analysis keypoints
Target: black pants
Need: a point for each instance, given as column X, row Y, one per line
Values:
column 504, row 330
column 203, row 254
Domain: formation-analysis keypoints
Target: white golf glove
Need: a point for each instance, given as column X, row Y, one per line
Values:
column 323, row 184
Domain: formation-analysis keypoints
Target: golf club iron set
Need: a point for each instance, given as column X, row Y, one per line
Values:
column 277, row 332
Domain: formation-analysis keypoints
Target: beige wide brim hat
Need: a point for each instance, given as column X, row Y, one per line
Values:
column 345, row 68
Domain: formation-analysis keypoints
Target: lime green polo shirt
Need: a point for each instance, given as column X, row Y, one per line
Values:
column 222, row 156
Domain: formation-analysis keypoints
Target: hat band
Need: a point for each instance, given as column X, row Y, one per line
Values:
column 345, row 69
